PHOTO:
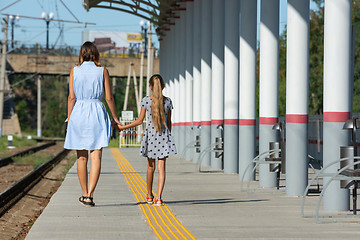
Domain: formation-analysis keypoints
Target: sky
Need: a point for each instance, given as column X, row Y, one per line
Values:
column 29, row 31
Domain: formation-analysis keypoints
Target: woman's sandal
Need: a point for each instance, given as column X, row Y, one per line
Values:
column 158, row 202
column 85, row 203
column 150, row 199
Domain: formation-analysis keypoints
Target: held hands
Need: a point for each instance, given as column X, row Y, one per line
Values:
column 120, row 127
column 115, row 124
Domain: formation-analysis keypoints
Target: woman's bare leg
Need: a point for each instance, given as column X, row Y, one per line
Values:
column 95, row 157
column 150, row 176
column 82, row 158
column 162, row 175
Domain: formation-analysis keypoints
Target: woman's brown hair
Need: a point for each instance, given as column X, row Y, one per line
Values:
column 89, row 52
column 157, row 103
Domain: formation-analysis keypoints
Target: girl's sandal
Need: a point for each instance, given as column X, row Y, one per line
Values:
column 158, row 202
column 150, row 199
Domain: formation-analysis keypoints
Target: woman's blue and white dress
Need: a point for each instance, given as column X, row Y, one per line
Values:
column 89, row 127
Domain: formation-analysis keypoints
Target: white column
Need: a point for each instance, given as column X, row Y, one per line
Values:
column 177, row 99
column 231, row 86
column 217, row 68
column 206, row 20
column 337, row 92
column 197, row 72
column 172, row 79
column 189, row 138
column 269, row 83
column 297, row 91
column 182, row 89
column 247, row 88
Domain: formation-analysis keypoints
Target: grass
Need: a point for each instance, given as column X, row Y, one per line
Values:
column 66, row 168
column 17, row 142
column 114, row 143
column 34, row 160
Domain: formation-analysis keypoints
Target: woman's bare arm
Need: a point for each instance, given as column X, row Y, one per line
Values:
column 109, row 97
column 71, row 97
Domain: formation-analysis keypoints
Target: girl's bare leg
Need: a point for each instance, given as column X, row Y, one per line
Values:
column 95, row 157
column 150, row 175
column 162, row 175
column 82, row 158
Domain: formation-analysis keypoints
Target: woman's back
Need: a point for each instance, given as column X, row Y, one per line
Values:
column 88, row 81
column 89, row 124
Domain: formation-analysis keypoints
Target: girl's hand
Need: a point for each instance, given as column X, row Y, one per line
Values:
column 120, row 127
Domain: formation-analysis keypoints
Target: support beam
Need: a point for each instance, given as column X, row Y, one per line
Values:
column 182, row 87
column 297, row 94
column 206, row 20
column 337, row 82
column 231, row 86
column 197, row 72
column 247, row 88
column 269, row 83
column 189, row 81
column 217, row 68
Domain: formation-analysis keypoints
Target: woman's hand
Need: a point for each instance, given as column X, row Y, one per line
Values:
column 115, row 124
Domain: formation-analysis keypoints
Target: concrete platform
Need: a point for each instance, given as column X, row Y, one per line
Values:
column 209, row 205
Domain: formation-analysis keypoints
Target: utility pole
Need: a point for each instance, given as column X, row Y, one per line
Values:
column 2, row 73
column 136, row 93
column 149, row 72
column 141, row 73
column 38, row 106
column 114, row 88
column 38, row 102
column 127, row 88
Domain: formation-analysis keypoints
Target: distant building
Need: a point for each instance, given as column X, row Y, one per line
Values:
column 121, row 44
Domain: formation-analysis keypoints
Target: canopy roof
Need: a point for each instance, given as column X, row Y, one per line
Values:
column 160, row 12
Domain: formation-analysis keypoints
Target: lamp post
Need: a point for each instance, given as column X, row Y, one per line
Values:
column 144, row 29
column 47, row 18
column 13, row 19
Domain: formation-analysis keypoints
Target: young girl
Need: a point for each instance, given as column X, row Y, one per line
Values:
column 157, row 141
column 89, row 125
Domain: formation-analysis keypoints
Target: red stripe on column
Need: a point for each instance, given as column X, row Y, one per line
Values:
column 336, row 116
column 247, row 122
column 296, row 118
column 205, row 123
column 188, row 124
column 268, row 120
column 196, row 123
column 231, row 121
column 217, row 122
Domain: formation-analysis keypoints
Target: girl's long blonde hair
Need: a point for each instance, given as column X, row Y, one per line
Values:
column 157, row 103
column 89, row 52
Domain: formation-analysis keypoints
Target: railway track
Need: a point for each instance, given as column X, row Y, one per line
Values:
column 16, row 191
column 7, row 160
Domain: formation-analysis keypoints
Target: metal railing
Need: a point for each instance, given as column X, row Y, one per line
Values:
column 131, row 137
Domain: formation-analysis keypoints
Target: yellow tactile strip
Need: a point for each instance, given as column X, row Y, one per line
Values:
column 160, row 218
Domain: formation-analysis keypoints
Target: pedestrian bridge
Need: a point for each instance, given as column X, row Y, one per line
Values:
column 60, row 65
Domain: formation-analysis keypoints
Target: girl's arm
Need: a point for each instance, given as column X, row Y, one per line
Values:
column 71, row 97
column 136, row 122
column 168, row 120
column 109, row 97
